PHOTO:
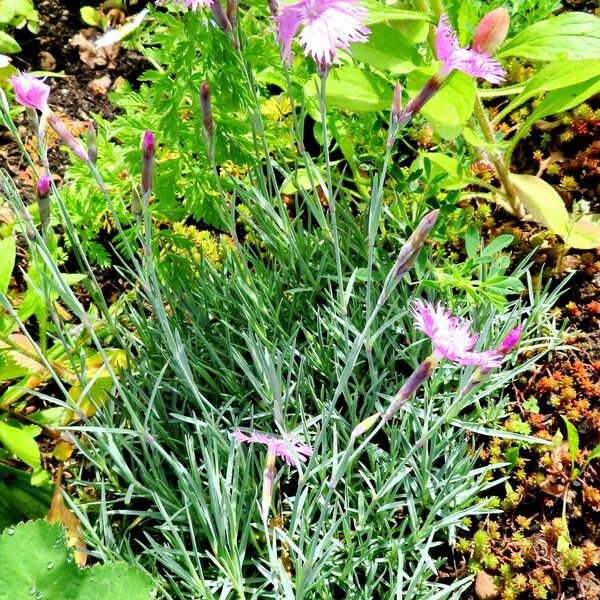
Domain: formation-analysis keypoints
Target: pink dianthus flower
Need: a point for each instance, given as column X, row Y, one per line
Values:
column 31, row 92
column 328, row 26
column 193, row 4
column 279, row 446
column 451, row 337
column 471, row 62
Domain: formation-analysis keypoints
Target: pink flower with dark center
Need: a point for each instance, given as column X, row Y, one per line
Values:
column 193, row 4
column 31, row 92
column 475, row 64
column 451, row 337
column 281, row 447
column 328, row 26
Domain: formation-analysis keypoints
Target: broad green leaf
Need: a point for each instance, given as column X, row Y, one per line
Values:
column 354, row 89
column 558, row 101
column 555, row 76
column 8, row 45
column 21, row 442
column 572, row 440
column 475, row 140
column 19, row 499
column 378, row 13
column 90, row 16
column 35, row 562
column 583, row 234
column 441, row 164
column 449, row 110
column 497, row 245
column 387, row 50
column 543, row 202
column 569, row 36
column 8, row 253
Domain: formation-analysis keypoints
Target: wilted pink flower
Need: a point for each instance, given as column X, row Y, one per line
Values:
column 451, row 337
column 4, row 61
column 511, row 340
column 31, row 92
column 281, row 447
column 193, row 4
column 329, row 26
column 475, row 64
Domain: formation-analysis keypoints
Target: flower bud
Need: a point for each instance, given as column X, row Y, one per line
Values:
column 207, row 117
column 511, row 340
column 411, row 247
column 66, row 136
column 491, row 31
column 232, row 11
column 148, row 146
column 92, row 142
column 43, row 189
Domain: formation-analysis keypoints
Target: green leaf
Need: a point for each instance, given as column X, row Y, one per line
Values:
column 553, row 77
column 435, row 164
column 21, row 442
column 498, row 244
column 573, row 440
column 472, row 138
column 449, row 110
column 35, row 561
column 353, row 89
column 8, row 253
column 569, row 36
column 387, row 50
column 19, row 499
column 583, row 234
column 595, row 453
column 543, row 202
column 90, row 16
column 471, row 241
column 379, row 12
column 8, row 45
column 558, row 101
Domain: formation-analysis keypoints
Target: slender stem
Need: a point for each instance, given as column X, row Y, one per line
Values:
column 330, row 193
column 496, row 157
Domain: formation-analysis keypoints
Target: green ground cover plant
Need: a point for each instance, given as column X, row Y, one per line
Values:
column 288, row 284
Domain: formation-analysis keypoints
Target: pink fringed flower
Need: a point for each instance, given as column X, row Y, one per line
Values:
column 279, row 446
column 31, row 92
column 475, row 64
column 193, row 4
column 329, row 26
column 451, row 337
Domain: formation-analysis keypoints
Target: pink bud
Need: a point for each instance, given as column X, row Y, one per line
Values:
column 148, row 147
column 511, row 340
column 43, row 185
column 30, row 91
column 66, row 136
column 491, row 31
column 148, row 143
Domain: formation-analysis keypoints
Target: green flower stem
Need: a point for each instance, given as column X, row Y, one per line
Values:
column 496, row 157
